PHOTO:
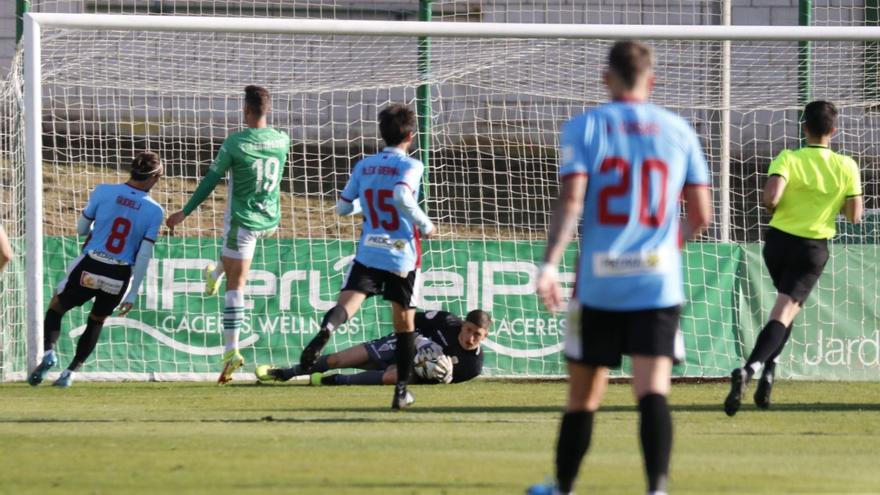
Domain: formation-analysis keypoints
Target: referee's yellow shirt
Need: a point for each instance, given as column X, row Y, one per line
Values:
column 818, row 182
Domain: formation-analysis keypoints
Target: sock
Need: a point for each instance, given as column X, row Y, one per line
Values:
column 369, row 377
column 656, row 432
column 233, row 315
column 86, row 343
column 334, row 318
column 320, row 367
column 51, row 329
column 218, row 270
column 403, row 356
column 771, row 338
column 770, row 365
column 575, row 432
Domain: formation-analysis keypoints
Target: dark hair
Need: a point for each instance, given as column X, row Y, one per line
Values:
column 395, row 122
column 820, row 117
column 145, row 165
column 629, row 60
column 257, row 99
column 479, row 318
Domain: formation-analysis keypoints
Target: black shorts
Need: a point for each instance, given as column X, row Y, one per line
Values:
column 795, row 263
column 382, row 351
column 372, row 281
column 602, row 337
column 92, row 279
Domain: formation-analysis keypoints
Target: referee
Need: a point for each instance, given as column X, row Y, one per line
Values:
column 806, row 190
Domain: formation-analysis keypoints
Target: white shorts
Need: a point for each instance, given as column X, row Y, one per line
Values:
column 239, row 243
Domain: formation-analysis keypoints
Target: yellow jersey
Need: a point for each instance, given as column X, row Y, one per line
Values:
column 817, row 183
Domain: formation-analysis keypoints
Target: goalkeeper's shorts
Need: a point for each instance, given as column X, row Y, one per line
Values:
column 600, row 338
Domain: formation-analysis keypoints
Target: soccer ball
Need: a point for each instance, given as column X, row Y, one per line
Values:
column 435, row 369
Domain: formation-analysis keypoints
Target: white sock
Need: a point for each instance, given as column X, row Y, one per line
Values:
column 218, row 270
column 657, row 493
column 233, row 315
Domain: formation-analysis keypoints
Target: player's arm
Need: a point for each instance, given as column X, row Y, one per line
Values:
column 348, row 203
column 87, row 217
column 5, row 249
column 203, row 190
column 405, row 199
column 773, row 190
column 138, row 272
column 698, row 210
column 854, row 207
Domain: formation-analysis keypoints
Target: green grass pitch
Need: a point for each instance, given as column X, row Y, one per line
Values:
column 476, row 438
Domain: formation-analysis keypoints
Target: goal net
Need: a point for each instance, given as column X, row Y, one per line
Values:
column 494, row 109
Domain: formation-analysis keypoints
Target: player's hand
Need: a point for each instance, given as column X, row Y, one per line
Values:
column 174, row 220
column 549, row 290
column 124, row 308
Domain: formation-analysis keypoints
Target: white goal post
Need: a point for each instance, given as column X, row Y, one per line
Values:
column 34, row 23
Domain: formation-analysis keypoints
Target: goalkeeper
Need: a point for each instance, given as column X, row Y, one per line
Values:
column 451, row 345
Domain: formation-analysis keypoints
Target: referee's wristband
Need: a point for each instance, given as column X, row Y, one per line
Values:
column 548, row 269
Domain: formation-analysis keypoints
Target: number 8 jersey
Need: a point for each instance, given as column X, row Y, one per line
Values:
column 389, row 241
column 637, row 158
column 123, row 216
column 256, row 158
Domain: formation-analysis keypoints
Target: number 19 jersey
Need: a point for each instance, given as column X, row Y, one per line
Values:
column 637, row 158
column 123, row 217
column 389, row 241
column 256, row 158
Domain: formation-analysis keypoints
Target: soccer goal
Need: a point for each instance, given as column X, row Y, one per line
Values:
column 490, row 97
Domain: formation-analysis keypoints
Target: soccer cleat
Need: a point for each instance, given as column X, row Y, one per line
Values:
column 402, row 399
column 212, row 284
column 738, row 380
column 64, row 381
column 310, row 354
column 315, row 379
column 39, row 374
column 232, row 361
column 541, row 490
column 765, row 386
column 267, row 373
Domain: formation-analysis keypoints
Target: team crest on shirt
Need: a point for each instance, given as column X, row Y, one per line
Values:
column 642, row 263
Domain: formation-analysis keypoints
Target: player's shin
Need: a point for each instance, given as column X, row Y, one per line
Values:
column 369, row 377
column 233, row 315
column 87, row 342
column 51, row 329
column 771, row 338
column 332, row 320
column 575, row 433
column 656, row 436
column 403, row 357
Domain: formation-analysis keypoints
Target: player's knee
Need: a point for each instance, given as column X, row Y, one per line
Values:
column 234, row 298
column 97, row 318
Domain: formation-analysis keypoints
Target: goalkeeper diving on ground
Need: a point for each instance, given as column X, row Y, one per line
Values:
column 447, row 351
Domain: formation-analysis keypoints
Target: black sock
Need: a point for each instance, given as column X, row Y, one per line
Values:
column 51, row 329
column 319, row 367
column 656, row 433
column 771, row 339
column 86, row 344
column 575, row 432
column 770, row 365
column 369, row 377
column 403, row 356
column 334, row 318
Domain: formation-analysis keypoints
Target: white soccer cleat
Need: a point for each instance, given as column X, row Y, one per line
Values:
column 212, row 284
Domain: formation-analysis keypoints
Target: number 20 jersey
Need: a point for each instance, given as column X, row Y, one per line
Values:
column 389, row 241
column 123, row 217
column 637, row 158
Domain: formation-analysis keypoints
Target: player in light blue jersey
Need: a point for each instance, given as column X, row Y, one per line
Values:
column 386, row 186
column 639, row 159
column 122, row 224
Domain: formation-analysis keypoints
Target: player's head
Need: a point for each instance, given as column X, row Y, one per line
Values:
column 257, row 101
column 397, row 124
column 630, row 73
column 820, row 119
column 474, row 330
column 146, row 169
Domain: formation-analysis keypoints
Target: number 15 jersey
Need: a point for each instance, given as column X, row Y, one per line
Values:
column 637, row 158
column 389, row 241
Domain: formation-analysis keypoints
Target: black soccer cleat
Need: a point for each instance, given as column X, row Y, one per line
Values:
column 402, row 399
column 765, row 386
column 738, row 380
column 312, row 352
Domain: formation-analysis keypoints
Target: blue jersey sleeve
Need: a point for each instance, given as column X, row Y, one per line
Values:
column 91, row 208
column 573, row 143
column 697, row 168
column 352, row 188
column 412, row 177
